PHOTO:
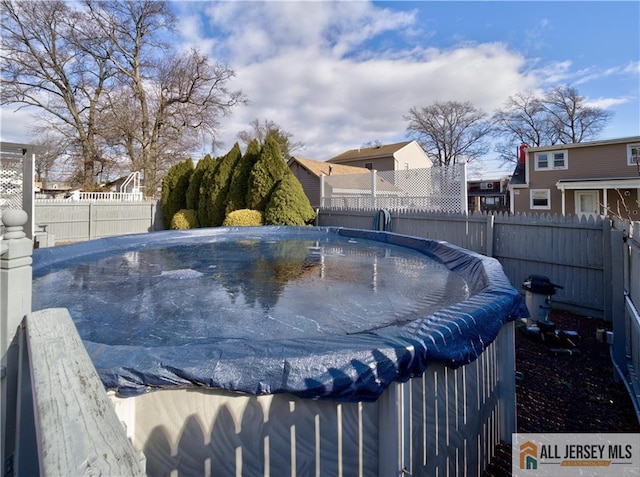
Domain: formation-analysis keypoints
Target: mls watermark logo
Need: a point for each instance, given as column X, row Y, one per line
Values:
column 575, row 454
column 529, row 455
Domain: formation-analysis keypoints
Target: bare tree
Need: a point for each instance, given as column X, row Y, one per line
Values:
column 268, row 128
column 560, row 115
column 570, row 118
column 171, row 98
column 105, row 77
column 450, row 132
column 53, row 60
column 523, row 119
column 51, row 149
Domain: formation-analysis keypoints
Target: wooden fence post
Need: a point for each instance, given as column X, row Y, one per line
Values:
column 616, row 291
column 15, row 304
column 489, row 245
column 607, row 268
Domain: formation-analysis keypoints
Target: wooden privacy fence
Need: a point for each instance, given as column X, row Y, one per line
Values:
column 595, row 260
column 626, row 346
column 71, row 221
column 571, row 252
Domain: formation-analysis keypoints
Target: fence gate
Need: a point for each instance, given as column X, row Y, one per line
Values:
column 17, row 162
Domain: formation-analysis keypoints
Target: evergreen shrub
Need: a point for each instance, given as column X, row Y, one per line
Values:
column 184, row 219
column 288, row 204
column 174, row 190
column 243, row 218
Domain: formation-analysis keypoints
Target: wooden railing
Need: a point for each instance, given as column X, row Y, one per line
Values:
column 56, row 416
column 64, row 415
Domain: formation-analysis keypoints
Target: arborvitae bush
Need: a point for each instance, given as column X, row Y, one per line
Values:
column 174, row 190
column 243, row 217
column 237, row 197
column 219, row 187
column 265, row 175
column 205, row 202
column 288, row 205
column 195, row 182
column 184, row 219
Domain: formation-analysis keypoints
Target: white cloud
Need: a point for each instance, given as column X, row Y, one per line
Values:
column 606, row 103
column 339, row 74
column 17, row 124
column 335, row 75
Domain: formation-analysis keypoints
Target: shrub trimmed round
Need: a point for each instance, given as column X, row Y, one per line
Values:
column 184, row 219
column 243, row 218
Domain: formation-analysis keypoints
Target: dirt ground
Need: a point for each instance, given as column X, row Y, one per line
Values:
column 561, row 392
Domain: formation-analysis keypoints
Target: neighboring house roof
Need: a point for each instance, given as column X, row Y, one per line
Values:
column 585, row 144
column 369, row 152
column 518, row 177
column 599, row 183
column 318, row 168
column 344, row 178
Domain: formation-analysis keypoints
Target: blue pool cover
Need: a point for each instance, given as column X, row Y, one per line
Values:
column 149, row 331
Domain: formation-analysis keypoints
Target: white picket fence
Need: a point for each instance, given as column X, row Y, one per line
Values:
column 102, row 196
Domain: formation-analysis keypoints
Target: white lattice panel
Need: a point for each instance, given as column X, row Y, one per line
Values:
column 11, row 183
column 435, row 188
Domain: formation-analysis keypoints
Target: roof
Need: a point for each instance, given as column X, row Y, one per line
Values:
column 599, row 183
column 385, row 150
column 318, row 168
column 518, row 177
column 604, row 142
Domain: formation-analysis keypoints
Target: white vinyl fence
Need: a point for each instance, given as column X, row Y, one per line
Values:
column 444, row 422
column 70, row 221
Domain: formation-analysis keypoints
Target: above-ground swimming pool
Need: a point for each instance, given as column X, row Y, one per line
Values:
column 316, row 312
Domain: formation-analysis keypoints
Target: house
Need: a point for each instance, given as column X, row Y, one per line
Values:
column 587, row 178
column 488, row 195
column 308, row 172
column 52, row 189
column 391, row 157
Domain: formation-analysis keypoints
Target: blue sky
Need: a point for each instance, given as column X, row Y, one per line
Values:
column 338, row 75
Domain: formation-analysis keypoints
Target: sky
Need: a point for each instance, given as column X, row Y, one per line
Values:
column 340, row 75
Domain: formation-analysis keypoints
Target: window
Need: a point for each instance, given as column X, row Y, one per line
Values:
column 586, row 202
column 540, row 199
column 368, row 165
column 633, row 154
column 542, row 161
column 551, row 160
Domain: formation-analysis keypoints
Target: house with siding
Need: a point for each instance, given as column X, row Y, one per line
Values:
column 587, row 178
column 488, row 195
column 390, row 157
column 308, row 172
column 340, row 181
